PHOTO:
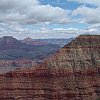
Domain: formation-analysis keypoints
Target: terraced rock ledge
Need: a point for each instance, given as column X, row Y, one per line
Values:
column 73, row 73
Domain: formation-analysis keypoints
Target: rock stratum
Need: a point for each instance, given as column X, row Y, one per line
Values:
column 73, row 73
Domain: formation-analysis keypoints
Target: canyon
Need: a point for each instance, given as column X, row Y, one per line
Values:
column 13, row 49
column 72, row 73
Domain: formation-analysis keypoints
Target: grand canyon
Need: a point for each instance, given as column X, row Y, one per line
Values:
column 49, row 49
column 28, row 52
column 71, row 73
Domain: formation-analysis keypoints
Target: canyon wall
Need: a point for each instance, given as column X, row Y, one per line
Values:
column 73, row 73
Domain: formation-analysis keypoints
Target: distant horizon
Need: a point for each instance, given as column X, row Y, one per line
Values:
column 45, row 38
column 35, row 38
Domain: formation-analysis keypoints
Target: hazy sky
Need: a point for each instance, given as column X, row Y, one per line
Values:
column 49, row 18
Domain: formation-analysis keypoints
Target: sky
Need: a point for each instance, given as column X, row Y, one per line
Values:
column 49, row 18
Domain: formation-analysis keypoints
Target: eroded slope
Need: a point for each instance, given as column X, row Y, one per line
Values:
column 73, row 73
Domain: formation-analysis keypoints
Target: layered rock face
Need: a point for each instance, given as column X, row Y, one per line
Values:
column 9, row 65
column 73, row 73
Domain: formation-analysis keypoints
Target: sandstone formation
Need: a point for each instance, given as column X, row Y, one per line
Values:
column 33, row 42
column 17, row 63
column 9, row 65
column 73, row 73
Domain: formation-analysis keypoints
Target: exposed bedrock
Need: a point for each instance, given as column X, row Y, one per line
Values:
column 73, row 73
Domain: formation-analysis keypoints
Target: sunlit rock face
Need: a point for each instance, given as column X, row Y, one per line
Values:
column 73, row 73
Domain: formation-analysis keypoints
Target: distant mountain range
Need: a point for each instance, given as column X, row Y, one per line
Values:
column 38, row 49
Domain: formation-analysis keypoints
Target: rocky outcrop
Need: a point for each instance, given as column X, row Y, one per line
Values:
column 18, row 63
column 8, row 42
column 9, row 65
column 73, row 73
column 33, row 42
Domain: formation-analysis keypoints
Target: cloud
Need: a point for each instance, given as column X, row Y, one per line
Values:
column 47, row 13
column 92, row 2
column 31, row 12
column 16, row 16
column 21, row 32
column 95, row 26
column 88, row 15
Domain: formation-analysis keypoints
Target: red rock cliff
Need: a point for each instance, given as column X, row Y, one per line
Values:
column 73, row 73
